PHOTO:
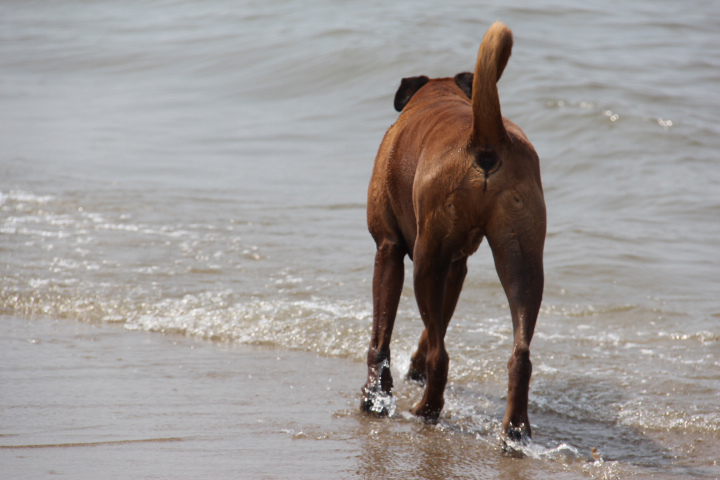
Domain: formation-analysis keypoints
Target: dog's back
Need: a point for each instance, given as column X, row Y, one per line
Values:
column 450, row 135
column 437, row 118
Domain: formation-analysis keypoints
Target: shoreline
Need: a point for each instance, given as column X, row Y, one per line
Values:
column 87, row 401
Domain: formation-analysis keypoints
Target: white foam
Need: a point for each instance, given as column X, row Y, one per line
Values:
column 534, row 450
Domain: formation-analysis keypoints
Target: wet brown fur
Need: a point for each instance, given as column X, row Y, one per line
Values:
column 450, row 172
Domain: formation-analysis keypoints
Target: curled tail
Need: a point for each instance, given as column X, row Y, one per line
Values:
column 495, row 49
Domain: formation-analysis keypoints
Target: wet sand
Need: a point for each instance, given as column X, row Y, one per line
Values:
column 95, row 401
column 87, row 401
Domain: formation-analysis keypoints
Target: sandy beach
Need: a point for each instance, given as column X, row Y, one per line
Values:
column 93, row 401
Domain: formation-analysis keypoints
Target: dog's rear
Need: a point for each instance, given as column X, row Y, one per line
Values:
column 449, row 172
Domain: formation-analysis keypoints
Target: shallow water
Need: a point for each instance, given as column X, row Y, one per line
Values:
column 200, row 169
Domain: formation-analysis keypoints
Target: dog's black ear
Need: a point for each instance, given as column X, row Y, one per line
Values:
column 464, row 81
column 408, row 87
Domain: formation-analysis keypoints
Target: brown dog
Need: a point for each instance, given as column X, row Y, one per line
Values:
column 449, row 172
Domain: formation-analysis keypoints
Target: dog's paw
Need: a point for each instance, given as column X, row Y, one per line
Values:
column 515, row 440
column 417, row 376
column 377, row 402
column 428, row 413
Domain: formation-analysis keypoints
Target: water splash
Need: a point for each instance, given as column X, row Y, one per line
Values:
column 528, row 448
column 376, row 400
column 380, row 403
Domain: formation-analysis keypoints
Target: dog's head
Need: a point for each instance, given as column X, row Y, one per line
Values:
column 410, row 85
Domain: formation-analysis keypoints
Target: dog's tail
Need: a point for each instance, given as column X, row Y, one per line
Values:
column 495, row 49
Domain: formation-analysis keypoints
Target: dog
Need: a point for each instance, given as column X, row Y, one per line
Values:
column 448, row 173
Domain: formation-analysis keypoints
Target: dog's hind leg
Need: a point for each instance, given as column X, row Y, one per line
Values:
column 388, row 277
column 518, row 253
column 453, row 287
column 432, row 266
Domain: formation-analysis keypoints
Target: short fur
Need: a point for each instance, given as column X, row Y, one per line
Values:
column 450, row 172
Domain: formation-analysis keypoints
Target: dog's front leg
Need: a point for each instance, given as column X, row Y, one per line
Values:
column 388, row 277
column 431, row 270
